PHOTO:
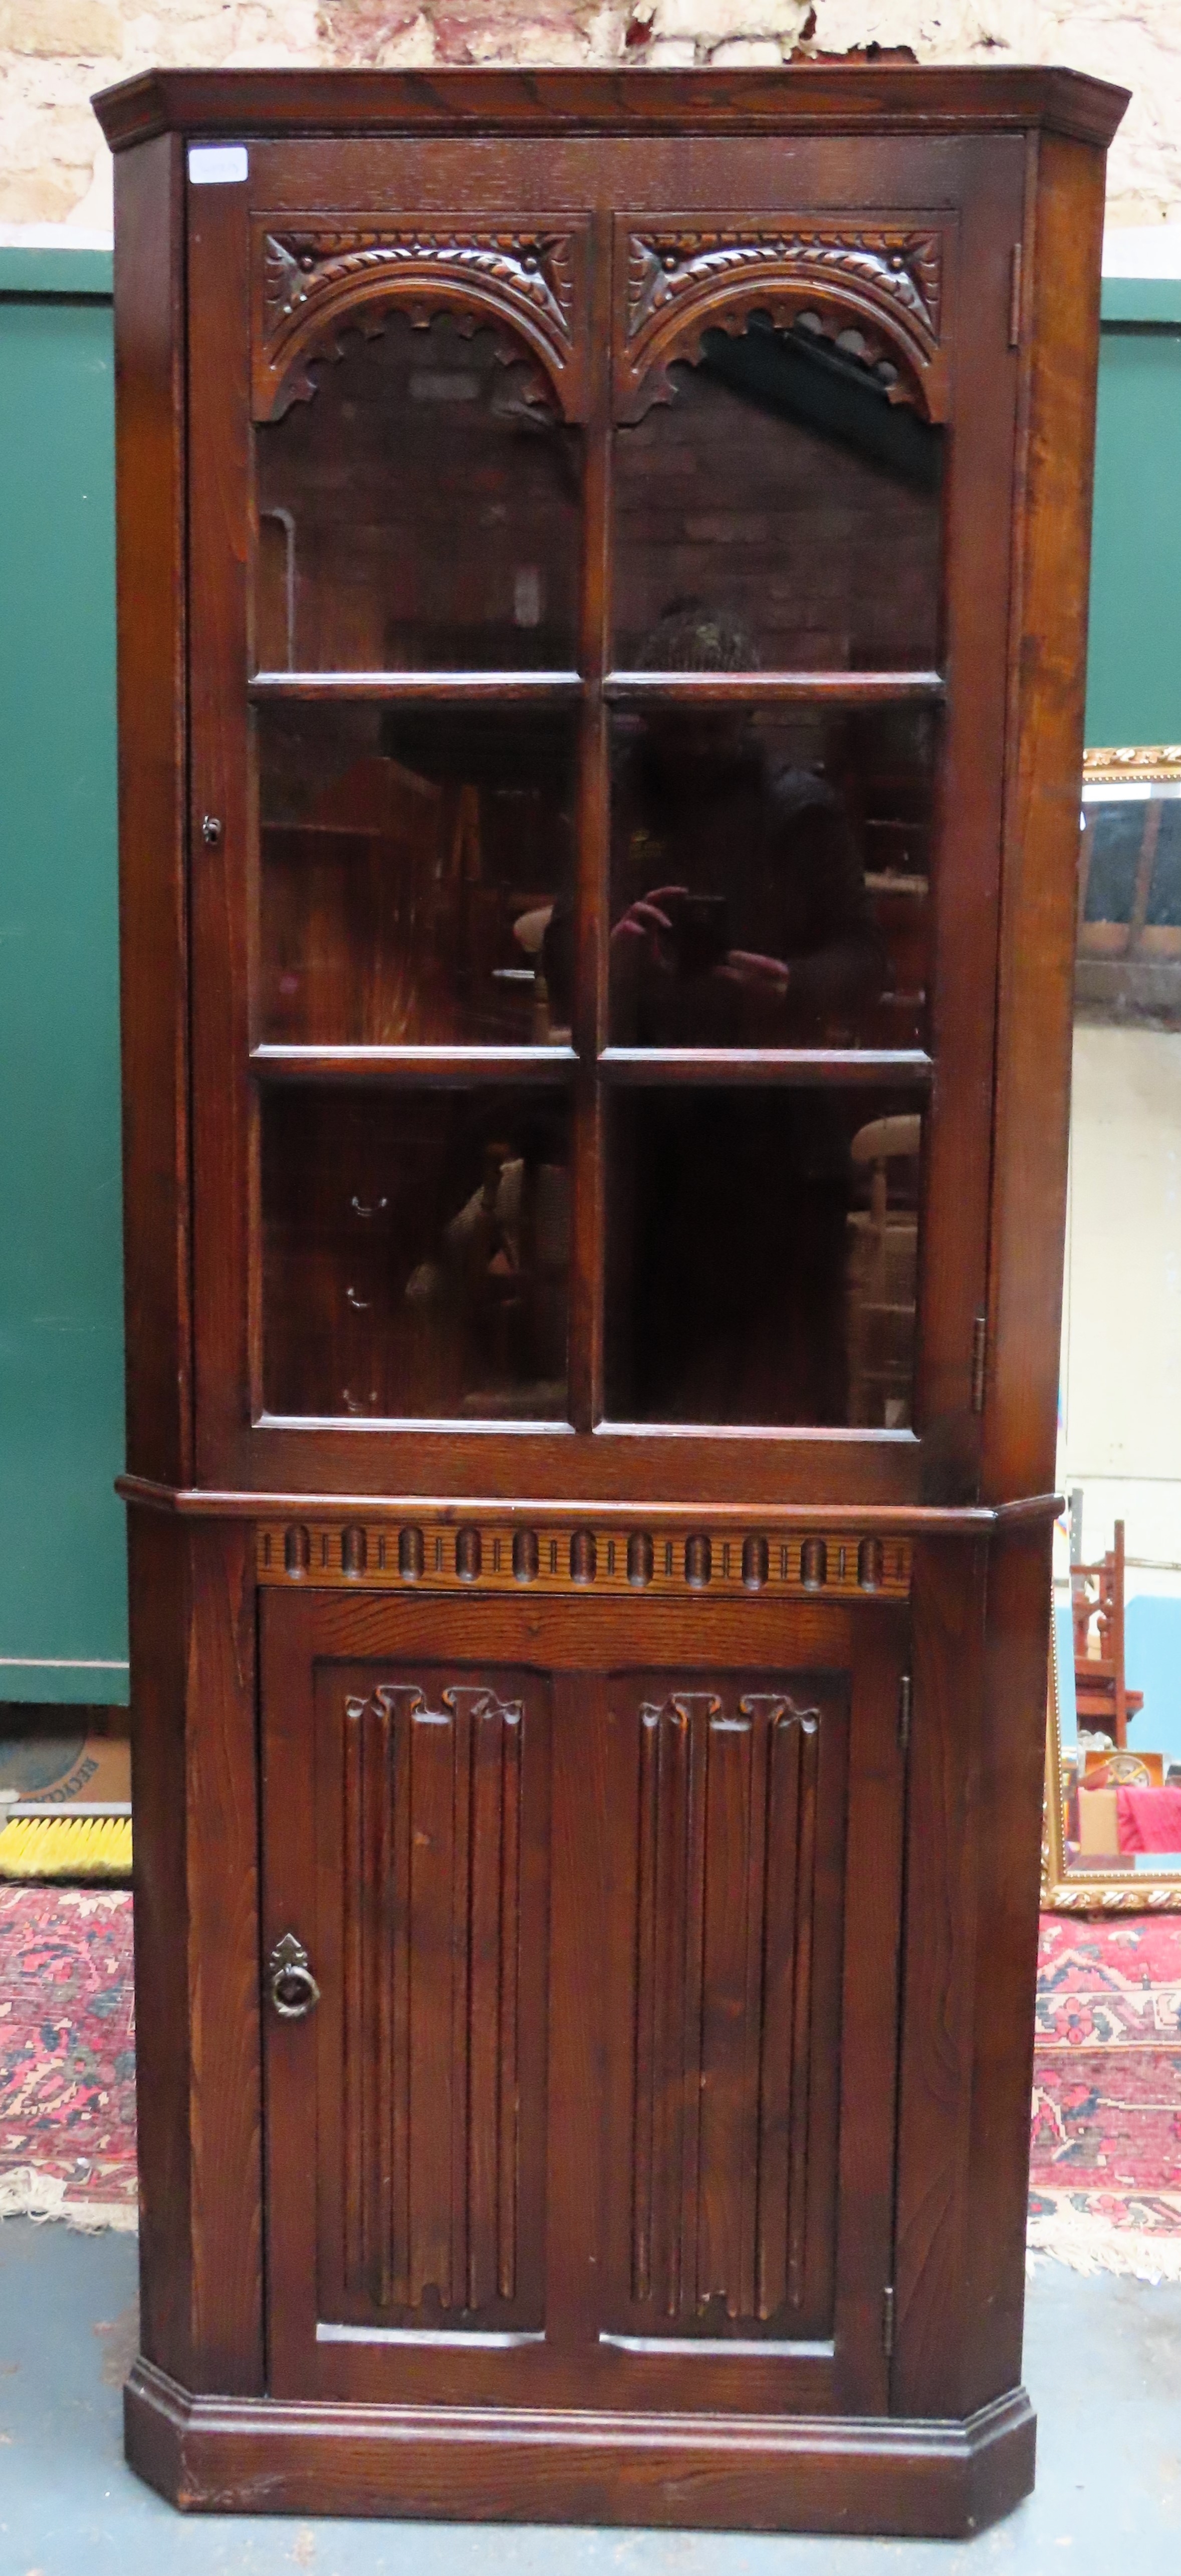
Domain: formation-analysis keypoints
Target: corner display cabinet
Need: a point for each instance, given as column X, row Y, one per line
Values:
column 602, row 614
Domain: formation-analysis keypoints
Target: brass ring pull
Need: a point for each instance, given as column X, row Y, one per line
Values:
column 293, row 1988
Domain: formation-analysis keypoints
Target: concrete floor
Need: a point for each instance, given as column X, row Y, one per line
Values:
column 1103, row 2363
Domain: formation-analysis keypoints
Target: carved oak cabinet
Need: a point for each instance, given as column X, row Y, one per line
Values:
column 602, row 605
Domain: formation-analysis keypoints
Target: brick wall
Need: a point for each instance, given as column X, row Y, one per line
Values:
column 54, row 53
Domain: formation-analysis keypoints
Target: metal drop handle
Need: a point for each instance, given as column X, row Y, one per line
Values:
column 293, row 1988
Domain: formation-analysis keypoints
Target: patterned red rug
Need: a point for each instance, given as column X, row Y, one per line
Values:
column 67, row 2055
column 1105, row 2179
column 1105, row 2171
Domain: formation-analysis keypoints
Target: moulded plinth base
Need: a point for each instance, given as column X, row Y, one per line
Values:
column 923, row 2480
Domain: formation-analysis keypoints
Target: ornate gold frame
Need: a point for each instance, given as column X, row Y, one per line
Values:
column 1154, row 762
column 1090, row 1891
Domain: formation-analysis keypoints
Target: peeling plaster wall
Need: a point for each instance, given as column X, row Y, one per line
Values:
column 53, row 53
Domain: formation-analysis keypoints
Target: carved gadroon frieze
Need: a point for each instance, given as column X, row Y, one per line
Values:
column 487, row 1554
column 312, row 280
column 874, row 290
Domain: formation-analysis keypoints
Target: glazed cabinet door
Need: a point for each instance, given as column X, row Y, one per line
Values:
column 599, row 613
column 580, row 1994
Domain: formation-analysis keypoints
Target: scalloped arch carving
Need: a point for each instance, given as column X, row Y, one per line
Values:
column 883, row 282
column 525, row 279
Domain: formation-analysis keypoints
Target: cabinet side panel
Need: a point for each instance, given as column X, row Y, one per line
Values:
column 149, row 334
column 1011, row 1791
column 226, row 2095
column 196, row 1951
column 943, row 1939
column 1048, row 657
column 159, row 1623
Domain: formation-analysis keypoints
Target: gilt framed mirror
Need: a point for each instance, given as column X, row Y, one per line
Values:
column 1121, row 1393
column 1080, row 1875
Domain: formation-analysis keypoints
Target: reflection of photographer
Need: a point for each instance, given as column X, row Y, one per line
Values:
column 744, row 918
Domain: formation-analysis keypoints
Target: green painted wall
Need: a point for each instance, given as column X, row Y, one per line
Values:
column 62, row 1582
column 1134, row 660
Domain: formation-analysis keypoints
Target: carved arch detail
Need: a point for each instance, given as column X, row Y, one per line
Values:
column 878, row 288
column 523, row 279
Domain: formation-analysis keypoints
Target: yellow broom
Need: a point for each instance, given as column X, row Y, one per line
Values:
column 81, row 1843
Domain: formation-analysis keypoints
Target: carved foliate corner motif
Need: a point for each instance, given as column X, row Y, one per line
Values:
column 879, row 287
column 311, row 280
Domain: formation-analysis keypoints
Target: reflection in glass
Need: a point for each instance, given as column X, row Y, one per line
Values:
column 416, row 1248
column 770, row 873
column 782, row 486
column 411, row 862
column 762, row 1256
column 1128, row 964
column 421, row 512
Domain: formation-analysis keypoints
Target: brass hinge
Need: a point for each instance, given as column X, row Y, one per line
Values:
column 1015, row 298
column 904, row 1712
column 979, row 1358
column 888, row 2322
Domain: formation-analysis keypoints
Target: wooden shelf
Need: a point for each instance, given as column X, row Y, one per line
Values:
column 619, row 688
column 631, row 1067
column 416, row 1068
column 344, row 688
column 628, row 1068
column 772, row 688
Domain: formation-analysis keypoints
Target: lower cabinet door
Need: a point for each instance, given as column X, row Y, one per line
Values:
column 581, row 1971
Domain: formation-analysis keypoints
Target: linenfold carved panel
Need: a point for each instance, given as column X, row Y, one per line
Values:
column 737, row 1966
column 311, row 280
column 432, row 1930
column 878, row 287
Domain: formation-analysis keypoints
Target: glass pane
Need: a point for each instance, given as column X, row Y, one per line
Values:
column 411, row 863
column 1116, row 842
column 770, row 876
column 421, row 512
column 762, row 1256
column 781, row 495
column 1163, row 909
column 416, row 1248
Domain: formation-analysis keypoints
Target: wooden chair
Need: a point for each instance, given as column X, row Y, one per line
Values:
column 1104, row 1701
column 1122, row 1770
column 882, row 1269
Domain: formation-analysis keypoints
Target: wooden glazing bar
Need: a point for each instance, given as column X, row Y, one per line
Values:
column 776, row 688
column 416, row 1068
column 592, row 908
column 667, row 1067
column 335, row 688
